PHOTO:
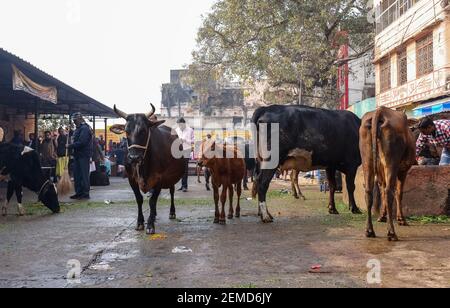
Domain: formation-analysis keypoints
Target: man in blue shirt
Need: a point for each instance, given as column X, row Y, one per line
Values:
column 82, row 153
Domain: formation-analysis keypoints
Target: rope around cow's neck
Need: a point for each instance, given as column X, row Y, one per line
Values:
column 136, row 146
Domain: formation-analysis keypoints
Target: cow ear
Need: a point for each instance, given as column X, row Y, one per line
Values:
column 157, row 123
column 117, row 129
column 413, row 122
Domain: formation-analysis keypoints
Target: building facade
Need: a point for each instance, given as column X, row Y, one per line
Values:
column 231, row 103
column 412, row 53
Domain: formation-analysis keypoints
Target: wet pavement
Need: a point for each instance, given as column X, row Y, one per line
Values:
column 193, row 252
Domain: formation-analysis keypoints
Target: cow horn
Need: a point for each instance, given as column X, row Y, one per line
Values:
column 120, row 113
column 151, row 113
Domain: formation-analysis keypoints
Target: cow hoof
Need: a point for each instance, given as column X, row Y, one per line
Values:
column 20, row 211
column 140, row 228
column 297, row 197
column 392, row 237
column 223, row 222
column 304, row 198
column 333, row 212
column 382, row 220
column 403, row 223
column 371, row 234
column 231, row 216
column 267, row 220
column 356, row 211
column 238, row 215
column 173, row 216
column 151, row 231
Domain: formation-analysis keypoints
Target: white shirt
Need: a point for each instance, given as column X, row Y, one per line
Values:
column 187, row 136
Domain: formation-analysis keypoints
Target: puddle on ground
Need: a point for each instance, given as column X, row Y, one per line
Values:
column 103, row 246
column 111, row 257
column 101, row 267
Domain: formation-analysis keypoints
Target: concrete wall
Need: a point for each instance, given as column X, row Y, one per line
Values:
column 361, row 76
column 427, row 191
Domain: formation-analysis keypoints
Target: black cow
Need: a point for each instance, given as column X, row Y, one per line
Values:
column 151, row 165
column 323, row 139
column 21, row 167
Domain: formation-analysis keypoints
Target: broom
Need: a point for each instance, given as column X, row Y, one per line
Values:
column 65, row 186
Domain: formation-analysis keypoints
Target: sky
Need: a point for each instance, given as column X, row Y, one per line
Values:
column 116, row 51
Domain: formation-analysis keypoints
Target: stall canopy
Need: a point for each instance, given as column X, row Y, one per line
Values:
column 433, row 108
column 25, row 88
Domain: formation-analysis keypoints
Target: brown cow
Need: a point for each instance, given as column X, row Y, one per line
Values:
column 227, row 173
column 388, row 153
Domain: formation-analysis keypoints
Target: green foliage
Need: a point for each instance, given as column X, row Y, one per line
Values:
column 52, row 123
column 430, row 219
column 288, row 42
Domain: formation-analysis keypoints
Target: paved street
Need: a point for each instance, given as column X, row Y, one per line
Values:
column 34, row 250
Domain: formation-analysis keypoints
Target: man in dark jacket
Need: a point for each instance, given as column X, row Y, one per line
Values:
column 82, row 153
column 17, row 139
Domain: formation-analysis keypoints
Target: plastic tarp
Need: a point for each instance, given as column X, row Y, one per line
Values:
column 427, row 110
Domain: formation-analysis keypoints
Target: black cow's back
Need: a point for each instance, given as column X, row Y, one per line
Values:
column 332, row 136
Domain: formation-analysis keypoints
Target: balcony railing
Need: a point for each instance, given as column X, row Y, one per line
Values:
column 388, row 11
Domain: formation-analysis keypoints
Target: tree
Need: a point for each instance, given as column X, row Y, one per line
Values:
column 53, row 123
column 204, row 81
column 293, row 44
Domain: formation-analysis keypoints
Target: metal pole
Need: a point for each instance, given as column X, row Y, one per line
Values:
column 106, row 135
column 93, row 126
column 36, row 126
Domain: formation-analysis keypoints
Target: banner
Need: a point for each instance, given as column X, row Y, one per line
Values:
column 22, row 83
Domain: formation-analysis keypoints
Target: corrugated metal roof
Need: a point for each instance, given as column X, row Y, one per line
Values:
column 95, row 107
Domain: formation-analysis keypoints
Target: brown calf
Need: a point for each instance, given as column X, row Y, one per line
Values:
column 294, row 164
column 388, row 153
column 227, row 173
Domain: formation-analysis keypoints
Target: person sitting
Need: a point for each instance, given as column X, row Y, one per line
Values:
column 435, row 133
column 119, row 154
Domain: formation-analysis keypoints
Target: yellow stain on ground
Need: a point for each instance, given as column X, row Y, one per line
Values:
column 158, row 237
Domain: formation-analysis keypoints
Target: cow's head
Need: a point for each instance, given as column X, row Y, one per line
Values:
column 48, row 195
column 138, row 130
column 207, row 152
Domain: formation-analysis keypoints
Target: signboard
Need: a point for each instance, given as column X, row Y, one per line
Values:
column 422, row 89
column 22, row 83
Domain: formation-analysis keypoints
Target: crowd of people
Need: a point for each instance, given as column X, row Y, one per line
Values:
column 87, row 157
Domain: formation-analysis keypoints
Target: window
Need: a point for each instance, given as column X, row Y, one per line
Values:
column 425, row 63
column 402, row 67
column 389, row 11
column 385, row 74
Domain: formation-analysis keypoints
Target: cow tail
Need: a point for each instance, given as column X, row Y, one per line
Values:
column 375, row 137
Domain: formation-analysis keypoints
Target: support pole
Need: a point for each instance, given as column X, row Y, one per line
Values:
column 36, row 126
column 106, row 136
column 93, row 126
